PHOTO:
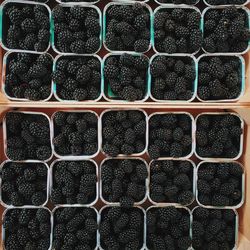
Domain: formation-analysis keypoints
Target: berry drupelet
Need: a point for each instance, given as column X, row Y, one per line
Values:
column 218, row 136
column 75, row 228
column 226, row 30
column 28, row 76
column 28, row 136
column 219, row 78
column 75, row 133
column 121, row 228
column 78, row 78
column 26, row 26
column 74, row 182
column 77, row 29
column 124, row 180
column 170, row 135
column 126, row 76
column 24, row 183
column 127, row 27
column 213, row 229
column 173, row 78
column 177, row 30
column 123, row 132
column 168, row 228
column 171, row 181
column 27, row 229
column 220, row 184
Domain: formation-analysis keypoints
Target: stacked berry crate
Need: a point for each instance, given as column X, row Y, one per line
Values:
column 148, row 149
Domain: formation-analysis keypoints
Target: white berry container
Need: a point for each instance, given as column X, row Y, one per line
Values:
column 75, row 157
column 165, row 206
column 226, row 5
column 124, row 158
column 74, row 205
column 67, row 6
column 241, row 137
column 5, row 72
column 144, row 226
column 162, row 204
column 61, row 56
column 26, row 206
column 80, row 207
column 195, row 83
column 5, row 136
column 242, row 186
column 123, row 109
column 192, row 132
column 171, row 3
column 169, row 7
column 128, row 3
column 108, row 93
column 4, row 25
column 4, row 231
column 236, row 224
column 82, row 2
column 246, row 10
column 243, row 78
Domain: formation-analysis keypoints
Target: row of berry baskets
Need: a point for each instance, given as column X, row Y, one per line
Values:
column 164, row 182
column 87, row 228
column 79, row 29
column 122, row 132
column 125, row 77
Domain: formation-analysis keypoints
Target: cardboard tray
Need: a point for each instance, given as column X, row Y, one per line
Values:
column 241, row 107
column 243, row 111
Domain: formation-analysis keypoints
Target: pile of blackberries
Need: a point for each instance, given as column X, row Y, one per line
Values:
column 168, row 228
column 124, row 181
column 225, row 2
column 177, row 30
column 213, row 229
column 188, row 2
column 226, row 30
column 218, row 135
column 74, row 182
column 26, row 26
column 220, row 77
column 127, row 76
column 77, row 29
column 171, row 181
column 28, row 76
column 78, row 78
column 27, row 229
column 127, row 27
column 170, row 135
column 24, row 183
column 121, row 228
column 28, row 136
column 123, row 132
column 75, row 133
column 220, row 184
column 74, row 228
column 172, row 78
